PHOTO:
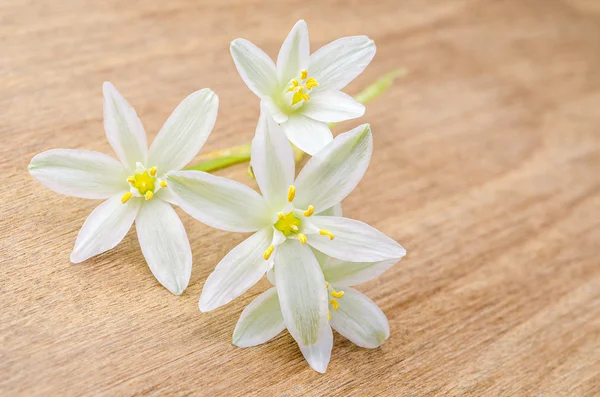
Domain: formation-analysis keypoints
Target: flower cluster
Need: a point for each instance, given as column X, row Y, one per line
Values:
column 301, row 242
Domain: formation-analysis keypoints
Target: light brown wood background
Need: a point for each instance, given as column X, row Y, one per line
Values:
column 486, row 168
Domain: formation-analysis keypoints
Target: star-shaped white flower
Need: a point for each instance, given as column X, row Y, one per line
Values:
column 302, row 93
column 351, row 313
column 135, row 187
column 285, row 220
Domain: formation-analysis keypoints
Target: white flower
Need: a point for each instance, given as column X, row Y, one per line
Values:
column 285, row 221
column 351, row 313
column 135, row 187
column 302, row 93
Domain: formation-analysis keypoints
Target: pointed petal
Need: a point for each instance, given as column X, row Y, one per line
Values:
column 352, row 273
column 260, row 321
column 79, row 173
column 256, row 68
column 123, row 128
column 105, row 227
column 353, row 240
column 360, row 320
column 294, row 54
column 334, row 172
column 339, row 62
column 185, row 131
column 318, row 355
column 307, row 134
column 275, row 112
column 219, row 202
column 332, row 107
column 165, row 245
column 239, row 270
column 272, row 162
column 301, row 290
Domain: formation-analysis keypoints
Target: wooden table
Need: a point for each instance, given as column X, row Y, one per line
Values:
column 486, row 168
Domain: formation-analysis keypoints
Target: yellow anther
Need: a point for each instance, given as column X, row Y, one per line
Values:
column 126, row 197
column 334, row 304
column 131, row 180
column 325, row 232
column 305, row 97
column 302, row 238
column 326, row 284
column 312, row 82
column 309, row 211
column 280, row 215
column 149, row 195
column 303, row 74
column 153, row 171
column 294, row 85
column 163, row 184
column 291, row 193
column 294, row 228
column 329, row 314
column 268, row 252
column 337, row 294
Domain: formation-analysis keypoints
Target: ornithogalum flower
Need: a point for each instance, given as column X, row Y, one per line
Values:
column 285, row 220
column 135, row 187
column 351, row 313
column 302, row 92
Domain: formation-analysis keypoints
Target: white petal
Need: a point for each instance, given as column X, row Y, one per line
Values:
column 353, row 240
column 256, row 68
column 105, row 227
column 318, row 355
column 239, row 270
column 307, row 134
column 185, row 131
column 334, row 172
column 360, row 320
column 165, row 245
column 336, row 210
column 339, row 62
column 274, row 110
column 260, row 321
column 301, row 290
column 219, row 202
column 79, row 173
column 123, row 128
column 332, row 107
column 294, row 54
column 272, row 162
column 167, row 195
column 352, row 273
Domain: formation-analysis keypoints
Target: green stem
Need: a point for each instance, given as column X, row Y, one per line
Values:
column 239, row 154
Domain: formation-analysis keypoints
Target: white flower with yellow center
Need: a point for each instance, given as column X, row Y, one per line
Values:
column 285, row 220
column 302, row 92
column 135, row 187
column 351, row 313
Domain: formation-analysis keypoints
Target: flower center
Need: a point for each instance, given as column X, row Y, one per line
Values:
column 301, row 86
column 288, row 224
column 335, row 305
column 144, row 182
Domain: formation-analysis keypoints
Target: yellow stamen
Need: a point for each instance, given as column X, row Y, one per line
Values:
column 153, row 171
column 337, row 294
column 309, row 211
column 126, row 197
column 294, row 228
column 326, row 284
column 294, row 85
column 312, row 82
column 298, row 96
column 280, row 215
column 163, row 184
column 291, row 193
column 305, row 97
column 302, row 238
column 131, row 180
column 334, row 304
column 303, row 74
column 325, row 232
column 268, row 252
column 329, row 314
column 149, row 195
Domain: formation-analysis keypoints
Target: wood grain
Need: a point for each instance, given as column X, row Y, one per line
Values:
column 486, row 168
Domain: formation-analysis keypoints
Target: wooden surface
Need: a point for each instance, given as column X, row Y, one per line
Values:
column 486, row 168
